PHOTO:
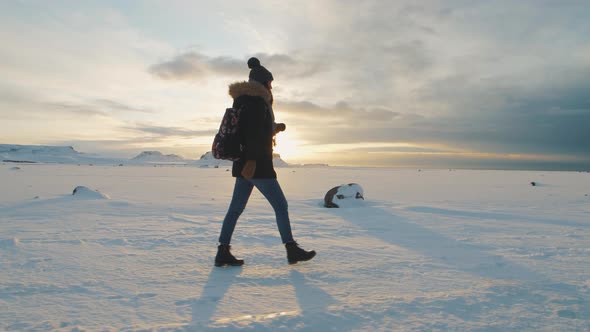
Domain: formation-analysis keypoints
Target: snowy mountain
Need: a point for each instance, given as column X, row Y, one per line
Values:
column 277, row 161
column 44, row 154
column 207, row 160
column 208, row 156
column 157, row 156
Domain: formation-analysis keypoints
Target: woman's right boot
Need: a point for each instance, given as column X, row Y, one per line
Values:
column 224, row 257
column 296, row 254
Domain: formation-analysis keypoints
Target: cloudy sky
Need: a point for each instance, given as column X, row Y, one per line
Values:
column 479, row 84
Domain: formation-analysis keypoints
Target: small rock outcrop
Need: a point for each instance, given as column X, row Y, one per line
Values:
column 87, row 193
column 343, row 196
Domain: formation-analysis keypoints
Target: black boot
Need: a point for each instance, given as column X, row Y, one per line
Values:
column 224, row 257
column 296, row 254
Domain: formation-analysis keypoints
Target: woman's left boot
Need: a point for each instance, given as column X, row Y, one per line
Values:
column 297, row 254
column 224, row 257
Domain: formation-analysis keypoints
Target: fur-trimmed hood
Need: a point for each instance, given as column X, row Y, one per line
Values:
column 250, row 89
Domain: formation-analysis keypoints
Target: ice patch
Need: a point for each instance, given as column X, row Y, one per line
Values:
column 87, row 193
column 567, row 314
column 256, row 318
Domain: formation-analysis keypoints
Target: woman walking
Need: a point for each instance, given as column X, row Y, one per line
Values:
column 255, row 167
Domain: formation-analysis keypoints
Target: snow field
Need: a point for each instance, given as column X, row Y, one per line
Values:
column 426, row 251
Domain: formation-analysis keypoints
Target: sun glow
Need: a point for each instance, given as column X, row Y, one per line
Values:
column 288, row 146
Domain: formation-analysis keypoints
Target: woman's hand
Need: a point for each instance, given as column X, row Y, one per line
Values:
column 280, row 127
column 249, row 169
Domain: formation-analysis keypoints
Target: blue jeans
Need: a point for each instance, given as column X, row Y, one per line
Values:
column 271, row 190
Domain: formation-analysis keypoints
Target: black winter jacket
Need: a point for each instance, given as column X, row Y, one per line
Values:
column 256, row 128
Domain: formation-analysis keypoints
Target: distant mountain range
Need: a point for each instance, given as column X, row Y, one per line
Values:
column 68, row 155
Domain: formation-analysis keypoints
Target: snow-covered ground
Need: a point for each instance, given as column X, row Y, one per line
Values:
column 430, row 250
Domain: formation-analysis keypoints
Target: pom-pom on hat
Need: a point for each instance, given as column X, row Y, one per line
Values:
column 253, row 63
column 257, row 72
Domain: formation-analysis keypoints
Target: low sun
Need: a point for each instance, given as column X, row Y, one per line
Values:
column 288, row 146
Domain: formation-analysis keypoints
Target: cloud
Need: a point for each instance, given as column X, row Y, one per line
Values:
column 74, row 109
column 36, row 105
column 495, row 116
column 101, row 107
column 73, row 71
column 308, row 113
column 457, row 160
column 297, row 65
column 538, row 133
column 194, row 65
column 453, row 75
column 172, row 131
column 536, row 115
column 398, row 149
column 117, row 106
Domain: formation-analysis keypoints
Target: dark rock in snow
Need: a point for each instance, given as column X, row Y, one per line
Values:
column 85, row 192
column 343, row 195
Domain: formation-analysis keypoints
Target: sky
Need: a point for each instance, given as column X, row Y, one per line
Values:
column 444, row 84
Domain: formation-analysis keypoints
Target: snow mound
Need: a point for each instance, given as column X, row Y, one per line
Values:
column 85, row 192
column 344, row 196
column 11, row 243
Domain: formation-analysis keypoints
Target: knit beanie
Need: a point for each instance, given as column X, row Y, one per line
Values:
column 258, row 73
